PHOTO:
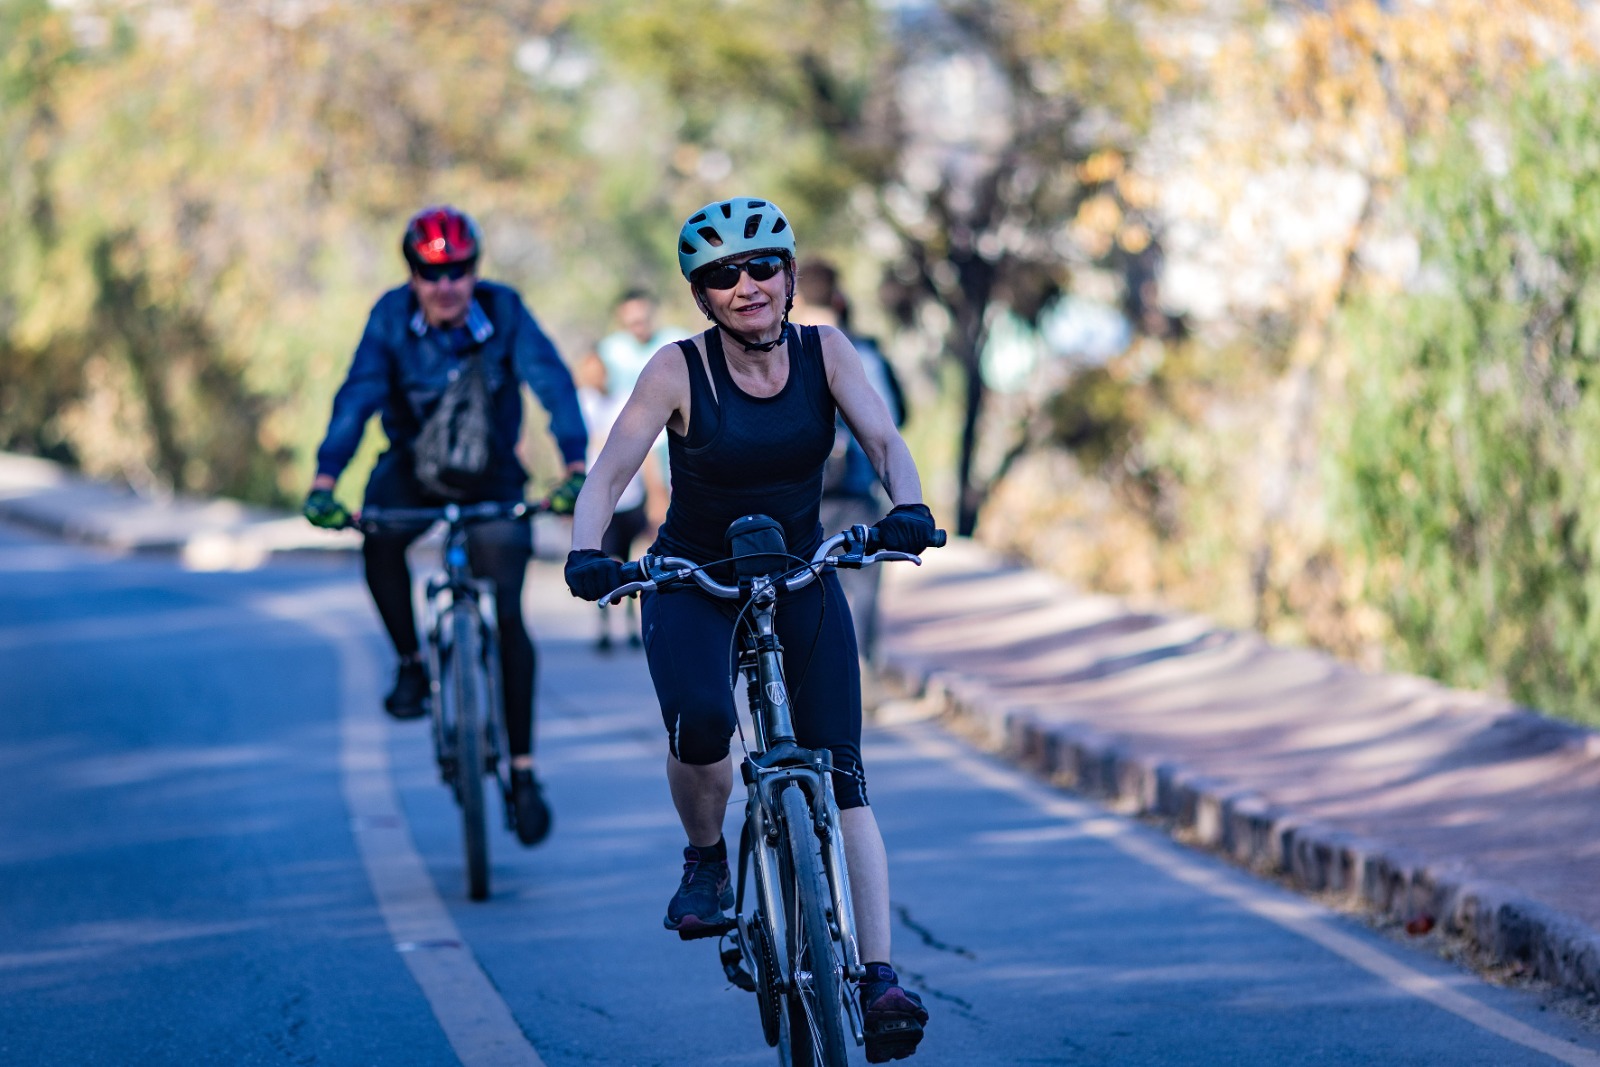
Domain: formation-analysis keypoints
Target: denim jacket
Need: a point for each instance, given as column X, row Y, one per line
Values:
column 401, row 370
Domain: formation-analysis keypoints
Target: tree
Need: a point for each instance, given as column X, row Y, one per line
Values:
column 963, row 140
column 1473, row 438
column 208, row 196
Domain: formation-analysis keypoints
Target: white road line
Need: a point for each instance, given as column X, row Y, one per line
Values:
column 1299, row 917
column 474, row 1017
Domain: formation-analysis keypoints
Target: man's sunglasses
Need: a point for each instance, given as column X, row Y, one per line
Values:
column 432, row 272
column 726, row 275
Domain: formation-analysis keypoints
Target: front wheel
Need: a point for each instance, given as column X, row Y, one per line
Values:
column 470, row 699
column 815, row 1002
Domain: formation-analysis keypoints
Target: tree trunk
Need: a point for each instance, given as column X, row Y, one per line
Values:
column 968, row 495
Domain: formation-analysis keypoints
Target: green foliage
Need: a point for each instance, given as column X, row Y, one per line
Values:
column 1094, row 417
column 1471, row 462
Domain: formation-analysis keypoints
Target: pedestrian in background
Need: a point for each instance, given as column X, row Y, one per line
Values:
column 601, row 404
column 850, row 489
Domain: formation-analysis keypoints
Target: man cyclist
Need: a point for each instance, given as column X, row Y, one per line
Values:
column 417, row 340
column 749, row 407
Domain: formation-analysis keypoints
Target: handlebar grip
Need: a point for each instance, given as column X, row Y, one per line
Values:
column 633, row 571
column 937, row 540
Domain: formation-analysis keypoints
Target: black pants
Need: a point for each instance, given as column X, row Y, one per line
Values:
column 498, row 551
column 687, row 636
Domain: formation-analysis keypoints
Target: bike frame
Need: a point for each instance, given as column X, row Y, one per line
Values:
column 460, row 607
column 779, row 759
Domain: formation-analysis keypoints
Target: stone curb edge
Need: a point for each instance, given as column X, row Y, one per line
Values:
column 1503, row 926
column 240, row 546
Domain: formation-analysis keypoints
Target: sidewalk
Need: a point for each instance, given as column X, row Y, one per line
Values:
column 1390, row 791
column 1420, row 802
column 207, row 535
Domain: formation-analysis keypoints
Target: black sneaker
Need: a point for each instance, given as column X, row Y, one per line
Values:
column 892, row 1017
column 530, row 815
column 409, row 697
column 696, row 908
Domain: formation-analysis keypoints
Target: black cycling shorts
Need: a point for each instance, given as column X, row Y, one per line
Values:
column 688, row 643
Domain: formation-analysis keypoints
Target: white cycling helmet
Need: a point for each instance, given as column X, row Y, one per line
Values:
column 732, row 228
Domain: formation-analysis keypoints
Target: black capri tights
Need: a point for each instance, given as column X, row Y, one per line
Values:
column 498, row 551
column 687, row 638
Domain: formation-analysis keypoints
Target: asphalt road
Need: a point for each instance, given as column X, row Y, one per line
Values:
column 214, row 849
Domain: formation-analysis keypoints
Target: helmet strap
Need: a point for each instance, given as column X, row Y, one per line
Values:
column 759, row 346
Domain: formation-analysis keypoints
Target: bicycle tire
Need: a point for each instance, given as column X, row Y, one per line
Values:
column 469, row 693
column 815, row 1001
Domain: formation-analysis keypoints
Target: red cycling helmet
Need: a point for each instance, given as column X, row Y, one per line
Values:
column 440, row 234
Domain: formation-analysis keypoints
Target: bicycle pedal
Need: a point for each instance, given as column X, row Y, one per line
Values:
column 703, row 930
column 733, row 967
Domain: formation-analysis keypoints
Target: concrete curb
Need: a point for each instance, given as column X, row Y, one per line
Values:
column 207, row 535
column 1497, row 924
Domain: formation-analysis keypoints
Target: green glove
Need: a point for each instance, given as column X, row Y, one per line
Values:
column 321, row 509
column 564, row 497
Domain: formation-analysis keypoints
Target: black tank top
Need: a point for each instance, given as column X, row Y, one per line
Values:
column 749, row 455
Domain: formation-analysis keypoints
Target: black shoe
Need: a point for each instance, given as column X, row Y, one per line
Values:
column 892, row 1017
column 696, row 908
column 530, row 815
column 409, row 697
column 603, row 644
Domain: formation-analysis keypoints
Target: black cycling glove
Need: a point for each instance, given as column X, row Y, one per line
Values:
column 907, row 528
column 591, row 574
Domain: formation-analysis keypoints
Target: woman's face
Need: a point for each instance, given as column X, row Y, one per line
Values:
column 752, row 308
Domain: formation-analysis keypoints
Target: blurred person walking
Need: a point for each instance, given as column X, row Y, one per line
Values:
column 441, row 362
column 850, row 492
column 644, row 496
column 626, row 350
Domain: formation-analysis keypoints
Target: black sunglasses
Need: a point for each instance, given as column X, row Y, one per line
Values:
column 432, row 272
column 726, row 275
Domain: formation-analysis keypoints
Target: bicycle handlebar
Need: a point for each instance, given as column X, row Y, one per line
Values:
column 652, row 572
column 370, row 519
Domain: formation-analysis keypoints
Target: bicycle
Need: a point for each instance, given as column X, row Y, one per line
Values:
column 463, row 649
column 795, row 945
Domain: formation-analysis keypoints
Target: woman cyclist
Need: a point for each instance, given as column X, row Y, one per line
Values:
column 749, row 407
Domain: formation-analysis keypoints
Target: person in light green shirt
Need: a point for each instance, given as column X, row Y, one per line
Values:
column 626, row 351
column 624, row 354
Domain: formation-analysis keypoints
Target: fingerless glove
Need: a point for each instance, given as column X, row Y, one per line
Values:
column 321, row 509
column 907, row 528
column 591, row 574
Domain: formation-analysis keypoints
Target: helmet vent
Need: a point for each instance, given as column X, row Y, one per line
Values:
column 685, row 248
column 698, row 218
column 780, row 225
column 753, row 204
column 712, row 237
column 751, row 226
column 727, row 211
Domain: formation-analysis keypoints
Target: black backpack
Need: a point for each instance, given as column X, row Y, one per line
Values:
column 455, row 449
